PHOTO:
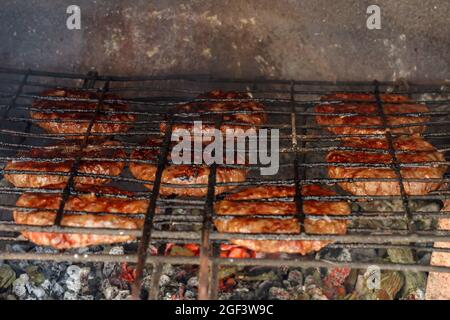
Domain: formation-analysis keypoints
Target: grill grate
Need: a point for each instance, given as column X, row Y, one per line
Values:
column 302, row 147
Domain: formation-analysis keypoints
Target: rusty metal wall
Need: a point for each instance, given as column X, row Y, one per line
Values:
column 321, row 39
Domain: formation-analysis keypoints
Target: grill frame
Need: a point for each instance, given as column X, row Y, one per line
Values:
column 208, row 238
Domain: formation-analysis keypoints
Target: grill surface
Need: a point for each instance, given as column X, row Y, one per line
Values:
column 303, row 146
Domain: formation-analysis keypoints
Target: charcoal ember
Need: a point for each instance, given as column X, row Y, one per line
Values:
column 295, row 277
column 53, row 270
column 164, row 280
column 226, row 271
column 120, row 283
column 147, row 282
column 225, row 296
column 313, row 286
column 57, row 290
column 39, row 249
column 123, row 295
column 270, row 275
column 7, row 276
column 193, row 282
column 315, row 293
column 168, row 269
column 190, row 295
column 390, row 285
column 110, row 267
column 110, row 292
column 279, row 294
column 73, row 284
column 73, row 271
column 415, row 282
column 70, row 295
column 387, row 206
column 37, row 292
column 19, row 286
column 263, row 288
column 35, row 274
column 77, row 279
column 174, row 291
column 243, row 293
column 16, row 248
column 365, row 255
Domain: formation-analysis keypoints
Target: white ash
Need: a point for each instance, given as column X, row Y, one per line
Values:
column 279, row 294
column 19, row 284
column 295, row 276
column 192, row 282
column 164, row 280
column 110, row 267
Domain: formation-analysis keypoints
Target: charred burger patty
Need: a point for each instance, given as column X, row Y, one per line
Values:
column 242, row 206
column 402, row 117
column 180, row 176
column 416, row 150
column 55, row 115
column 90, row 202
column 40, row 174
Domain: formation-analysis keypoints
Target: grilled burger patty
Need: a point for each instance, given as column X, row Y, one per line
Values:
column 236, row 114
column 180, row 175
column 344, row 96
column 346, row 124
column 66, row 150
column 419, row 151
column 86, row 201
column 240, row 204
column 62, row 120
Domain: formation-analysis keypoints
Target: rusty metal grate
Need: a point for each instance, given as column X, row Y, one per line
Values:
column 302, row 144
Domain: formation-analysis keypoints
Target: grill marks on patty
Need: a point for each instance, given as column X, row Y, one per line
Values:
column 91, row 201
column 109, row 151
column 180, row 175
column 237, row 114
column 241, row 206
column 58, row 106
column 400, row 117
column 417, row 151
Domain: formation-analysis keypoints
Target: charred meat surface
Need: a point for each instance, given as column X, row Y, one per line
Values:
column 64, row 111
column 344, row 96
column 409, row 151
column 181, row 177
column 52, row 161
column 242, row 205
column 239, row 112
column 90, row 201
column 361, row 117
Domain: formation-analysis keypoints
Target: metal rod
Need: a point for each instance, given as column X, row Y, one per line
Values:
column 204, row 285
column 179, row 260
column 148, row 222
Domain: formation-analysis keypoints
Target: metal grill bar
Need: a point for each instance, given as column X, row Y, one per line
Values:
column 178, row 260
column 284, row 99
column 205, row 285
column 299, row 173
column 395, row 163
column 148, row 222
column 16, row 95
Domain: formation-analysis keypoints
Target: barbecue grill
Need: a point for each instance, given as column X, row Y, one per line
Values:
column 303, row 146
